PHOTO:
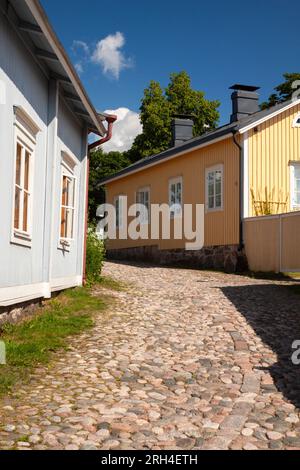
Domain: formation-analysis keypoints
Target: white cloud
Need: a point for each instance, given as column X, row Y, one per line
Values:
column 125, row 130
column 109, row 55
column 79, row 67
column 80, row 49
column 80, row 45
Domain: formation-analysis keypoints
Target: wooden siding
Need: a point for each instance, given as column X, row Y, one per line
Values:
column 272, row 146
column 272, row 243
column 221, row 227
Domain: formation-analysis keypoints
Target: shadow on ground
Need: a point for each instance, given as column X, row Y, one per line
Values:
column 273, row 311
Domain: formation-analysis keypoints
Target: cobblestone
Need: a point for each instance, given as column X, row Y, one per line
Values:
column 183, row 360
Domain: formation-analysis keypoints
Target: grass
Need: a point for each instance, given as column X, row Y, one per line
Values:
column 32, row 342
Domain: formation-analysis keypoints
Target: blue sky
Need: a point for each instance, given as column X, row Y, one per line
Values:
column 218, row 43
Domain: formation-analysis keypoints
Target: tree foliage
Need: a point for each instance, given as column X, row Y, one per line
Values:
column 160, row 105
column 283, row 92
column 102, row 165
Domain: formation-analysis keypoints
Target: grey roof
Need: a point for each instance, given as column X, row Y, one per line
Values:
column 222, row 131
column 31, row 24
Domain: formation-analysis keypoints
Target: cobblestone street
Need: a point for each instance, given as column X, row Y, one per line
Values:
column 184, row 360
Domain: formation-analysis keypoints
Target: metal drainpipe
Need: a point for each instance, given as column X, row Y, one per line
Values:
column 110, row 120
column 241, row 172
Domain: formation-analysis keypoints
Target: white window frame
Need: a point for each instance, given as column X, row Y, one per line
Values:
column 142, row 217
column 179, row 210
column 293, row 166
column 295, row 121
column 119, row 221
column 25, row 133
column 68, row 166
column 208, row 171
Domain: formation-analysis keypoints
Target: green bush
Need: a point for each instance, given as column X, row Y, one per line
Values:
column 95, row 255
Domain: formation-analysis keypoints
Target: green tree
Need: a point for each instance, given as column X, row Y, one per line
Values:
column 102, row 165
column 283, row 92
column 160, row 106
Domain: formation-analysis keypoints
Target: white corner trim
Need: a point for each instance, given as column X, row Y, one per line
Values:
column 65, row 283
column 246, row 175
column 18, row 294
column 270, row 116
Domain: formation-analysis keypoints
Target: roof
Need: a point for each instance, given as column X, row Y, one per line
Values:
column 30, row 22
column 208, row 138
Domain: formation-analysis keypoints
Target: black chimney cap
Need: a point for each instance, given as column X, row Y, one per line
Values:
column 237, row 87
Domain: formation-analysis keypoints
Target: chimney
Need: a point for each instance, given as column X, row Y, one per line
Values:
column 244, row 101
column 182, row 130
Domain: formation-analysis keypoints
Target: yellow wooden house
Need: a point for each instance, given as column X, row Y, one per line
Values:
column 248, row 167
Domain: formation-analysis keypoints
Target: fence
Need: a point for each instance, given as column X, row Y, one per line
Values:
column 272, row 243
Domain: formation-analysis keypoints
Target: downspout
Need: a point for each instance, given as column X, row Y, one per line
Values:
column 241, row 187
column 110, row 120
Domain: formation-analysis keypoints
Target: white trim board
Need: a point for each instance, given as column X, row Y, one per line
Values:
column 65, row 283
column 18, row 294
column 269, row 116
column 246, row 176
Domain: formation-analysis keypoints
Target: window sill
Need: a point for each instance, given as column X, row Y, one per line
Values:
column 212, row 211
column 22, row 239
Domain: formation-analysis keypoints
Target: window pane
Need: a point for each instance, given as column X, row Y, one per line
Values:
column 25, row 212
column 64, row 191
column 218, row 187
column 70, row 192
column 17, row 208
column 18, row 164
column 63, row 223
column 211, row 189
column 69, row 223
column 178, row 193
column 117, row 213
column 26, row 170
column 218, row 201
column 211, row 201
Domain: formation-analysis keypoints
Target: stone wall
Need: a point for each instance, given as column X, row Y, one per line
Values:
column 228, row 258
column 17, row 313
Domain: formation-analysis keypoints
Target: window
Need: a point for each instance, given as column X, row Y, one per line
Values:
column 295, row 185
column 143, row 198
column 175, row 197
column 296, row 122
column 67, row 211
column 119, row 205
column 214, row 188
column 25, row 142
